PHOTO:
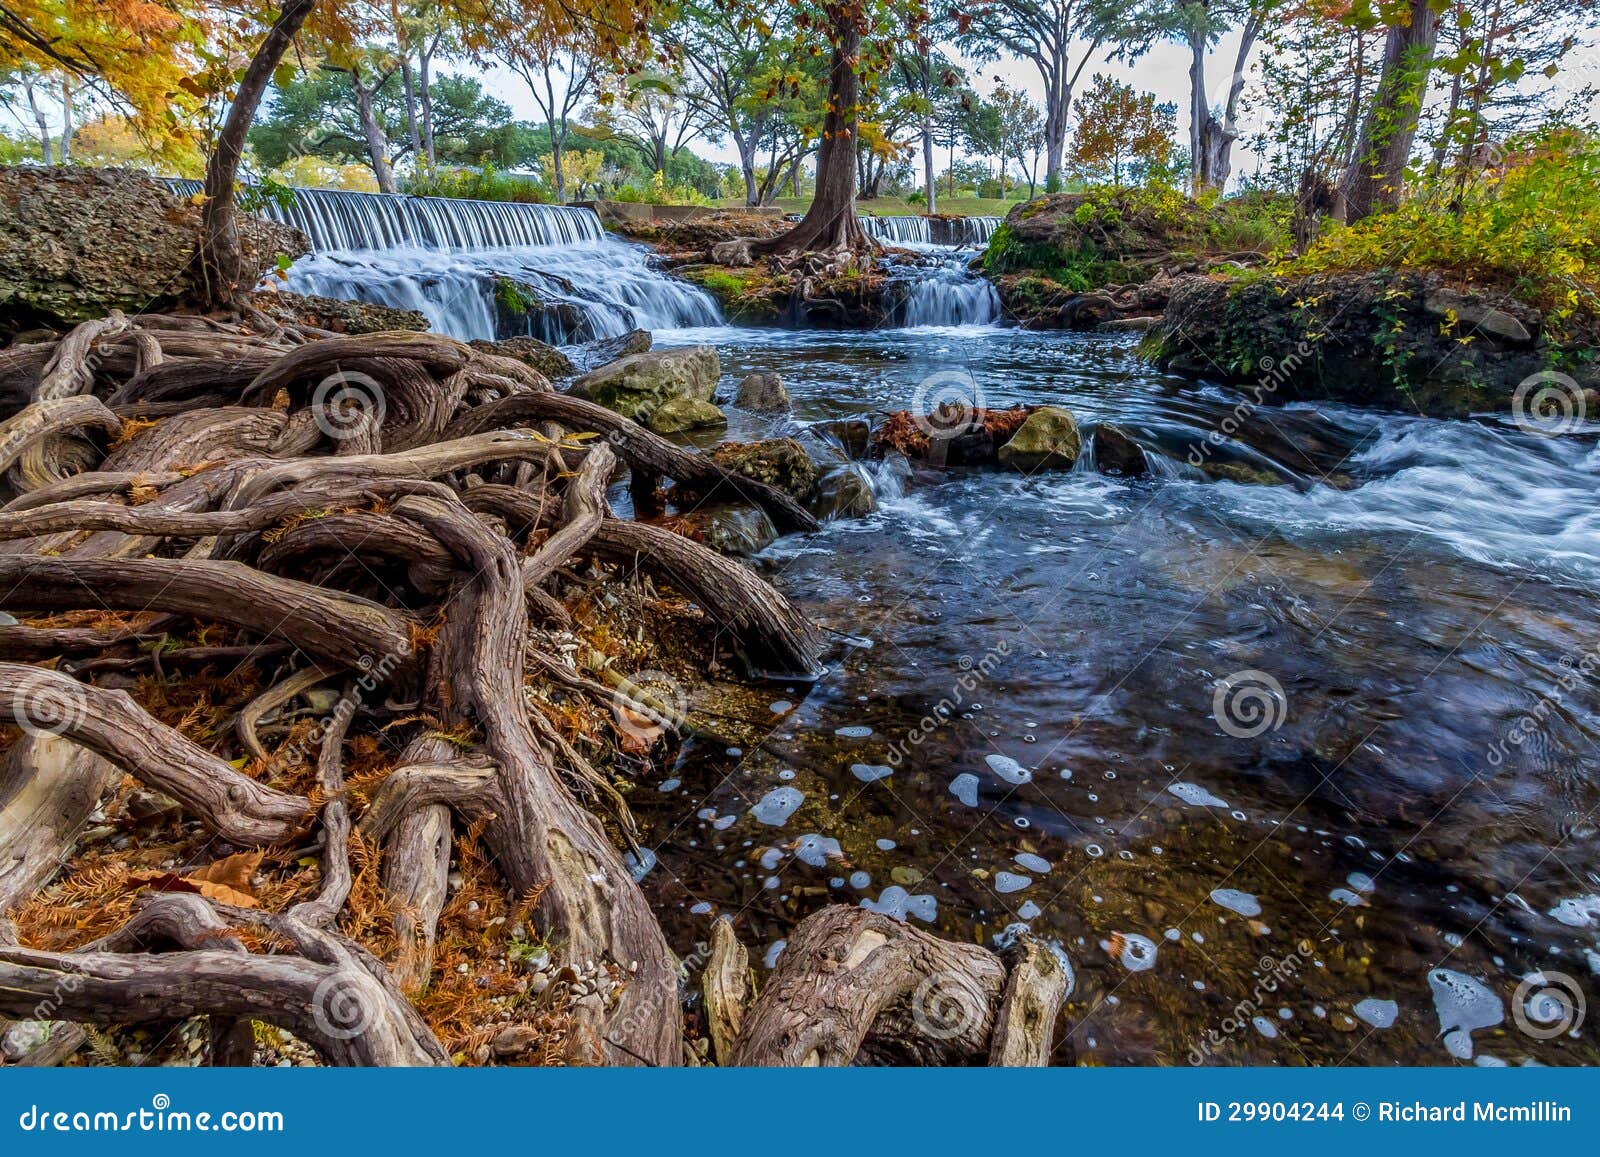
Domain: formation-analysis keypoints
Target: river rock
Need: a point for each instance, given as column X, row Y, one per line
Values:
column 336, row 314
column 677, row 415
column 844, row 492
column 547, row 359
column 635, row 386
column 852, row 434
column 591, row 355
column 81, row 242
column 1116, row 453
column 1048, row 440
column 733, row 530
column 780, row 462
column 763, row 393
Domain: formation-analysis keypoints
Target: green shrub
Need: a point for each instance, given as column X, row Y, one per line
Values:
column 485, row 184
column 1531, row 227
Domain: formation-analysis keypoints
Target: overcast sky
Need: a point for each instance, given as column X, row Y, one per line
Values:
column 1164, row 70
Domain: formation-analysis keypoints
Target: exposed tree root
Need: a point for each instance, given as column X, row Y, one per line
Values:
column 362, row 520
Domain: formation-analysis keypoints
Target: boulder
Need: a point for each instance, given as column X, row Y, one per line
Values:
column 763, row 393
column 336, row 314
column 780, row 462
column 547, row 359
column 1048, row 440
column 844, row 492
column 678, row 415
column 1117, row 453
column 522, row 309
column 591, row 355
column 637, row 385
column 79, row 243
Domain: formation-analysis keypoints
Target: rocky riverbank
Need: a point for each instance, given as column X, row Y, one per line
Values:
column 1408, row 341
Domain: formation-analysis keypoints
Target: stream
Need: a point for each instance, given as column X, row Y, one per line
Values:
column 1292, row 774
column 1244, row 753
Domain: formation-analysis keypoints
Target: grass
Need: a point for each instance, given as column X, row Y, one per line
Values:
column 899, row 206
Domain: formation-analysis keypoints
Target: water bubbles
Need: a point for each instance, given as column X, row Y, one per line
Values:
column 817, row 850
column 781, row 707
column 859, row 880
column 1193, row 793
column 1008, row 769
column 871, row 772
column 1464, row 1005
column 965, row 788
column 1094, row 851
column 885, row 845
column 1011, row 882
column 854, row 731
column 1022, row 822
column 1236, row 901
column 1265, row 1027
column 1032, row 862
column 778, row 805
column 1377, row 1013
column 1136, row 953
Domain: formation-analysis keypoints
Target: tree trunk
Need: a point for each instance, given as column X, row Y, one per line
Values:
column 425, row 85
column 65, row 148
column 377, row 141
column 1374, row 178
column 38, row 119
column 929, row 183
column 220, row 256
column 1222, row 162
column 831, row 221
column 409, row 80
column 1199, row 112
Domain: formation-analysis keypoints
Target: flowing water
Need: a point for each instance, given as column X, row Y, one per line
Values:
column 1293, row 774
column 1301, row 773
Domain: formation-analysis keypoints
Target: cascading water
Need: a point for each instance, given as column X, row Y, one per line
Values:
column 471, row 267
column 938, row 288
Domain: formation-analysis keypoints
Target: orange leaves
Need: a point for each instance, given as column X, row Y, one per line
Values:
column 227, row 881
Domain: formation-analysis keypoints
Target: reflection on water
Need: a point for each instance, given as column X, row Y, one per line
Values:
column 1296, row 774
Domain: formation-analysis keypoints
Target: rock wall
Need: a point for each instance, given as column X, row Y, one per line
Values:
column 80, row 242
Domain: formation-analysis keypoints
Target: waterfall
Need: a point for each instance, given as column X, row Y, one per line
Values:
column 464, row 264
column 931, row 232
column 938, row 288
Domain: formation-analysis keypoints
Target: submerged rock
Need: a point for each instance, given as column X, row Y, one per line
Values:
column 1117, row 453
column 762, row 392
column 677, row 415
column 780, row 462
column 79, row 243
column 734, row 530
column 844, row 492
column 1048, row 440
column 637, row 385
column 591, row 355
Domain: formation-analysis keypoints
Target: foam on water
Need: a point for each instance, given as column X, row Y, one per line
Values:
column 1236, row 901
column 1195, row 794
column 1008, row 769
column 1464, row 1005
column 778, row 805
column 965, row 788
